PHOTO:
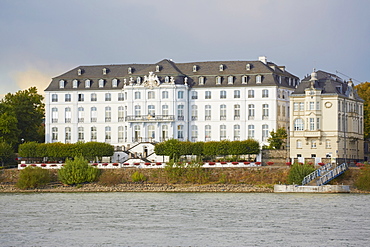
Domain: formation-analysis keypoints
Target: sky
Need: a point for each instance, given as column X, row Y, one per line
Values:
column 41, row 39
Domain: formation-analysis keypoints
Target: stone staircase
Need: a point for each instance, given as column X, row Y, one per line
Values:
column 324, row 174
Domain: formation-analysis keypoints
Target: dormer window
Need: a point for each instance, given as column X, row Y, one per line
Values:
column 87, row 83
column 230, row 80
column 218, row 80
column 157, row 68
column 245, row 79
column 201, row 80
column 104, row 71
column 138, row 80
column 101, row 83
column 248, row 66
column 61, row 84
column 258, row 79
column 167, row 79
column 79, row 72
column 74, row 83
column 221, row 67
column 114, row 83
column 129, row 70
column 195, row 69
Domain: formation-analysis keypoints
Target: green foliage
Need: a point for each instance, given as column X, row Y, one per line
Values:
column 195, row 173
column 363, row 180
column 277, row 138
column 33, row 177
column 28, row 149
column 8, row 125
column 93, row 150
column 174, row 171
column 77, row 171
column 363, row 90
column 298, row 171
column 169, row 148
column 138, row 177
column 110, row 178
column 6, row 153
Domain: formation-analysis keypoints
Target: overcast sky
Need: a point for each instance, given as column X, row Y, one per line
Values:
column 41, row 39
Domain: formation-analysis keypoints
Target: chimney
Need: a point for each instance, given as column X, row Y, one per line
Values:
column 263, row 59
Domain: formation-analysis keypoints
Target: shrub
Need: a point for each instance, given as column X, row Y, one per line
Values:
column 363, row 180
column 77, row 171
column 33, row 177
column 138, row 177
column 298, row 171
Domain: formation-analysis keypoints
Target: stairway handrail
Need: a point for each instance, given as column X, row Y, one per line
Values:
column 325, row 178
column 313, row 175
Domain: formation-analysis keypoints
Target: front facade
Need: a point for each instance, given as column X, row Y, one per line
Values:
column 200, row 101
column 327, row 119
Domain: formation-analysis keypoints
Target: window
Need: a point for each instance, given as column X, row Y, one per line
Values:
column 236, row 132
column 250, row 93
column 68, row 134
column 151, row 95
column 180, row 94
column 54, row 115
column 80, row 97
column 301, row 106
column 164, row 132
column 236, row 94
column 157, row 68
column 218, row 80
column 108, row 114
column 151, row 131
column 180, row 112
column 194, row 68
column 67, row 97
column 312, row 105
column 230, row 80
column 137, row 95
column 251, row 111
column 223, row 94
column 108, row 134
column 93, row 97
column 114, row 83
column 121, row 114
column 317, row 105
column 75, row 84
column 221, row 67
column 194, row 132
column 108, row 97
column 201, row 80
column 258, row 79
column 313, row 144
column 250, row 131
column 121, row 97
column 137, row 111
column 295, row 106
column 129, row 70
column 207, row 132
column 327, row 143
column 180, row 132
column 222, row 132
column 236, row 112
column 312, row 123
column 68, row 115
column 222, row 112
column 81, row 134
column 165, row 110
column 299, row 144
column 61, row 84
column 245, row 79
column 87, row 83
column 167, row 79
column 137, row 133
column 194, row 95
column 104, row 71
column 318, row 123
column 54, row 98
column 248, row 66
column 207, row 112
column 194, row 112
column 81, row 115
column 208, row 94
column 120, row 134
column 54, row 134
column 164, row 94
column 151, row 110
column 94, row 114
column 265, row 132
column 265, row 93
column 101, row 83
column 138, row 80
column 265, row 111
column 93, row 134
column 283, row 109
column 298, row 124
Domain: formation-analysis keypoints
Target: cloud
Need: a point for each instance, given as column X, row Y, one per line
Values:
column 32, row 77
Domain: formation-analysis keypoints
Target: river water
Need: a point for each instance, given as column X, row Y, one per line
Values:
column 184, row 219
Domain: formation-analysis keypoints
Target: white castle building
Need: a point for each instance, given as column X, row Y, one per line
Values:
column 197, row 101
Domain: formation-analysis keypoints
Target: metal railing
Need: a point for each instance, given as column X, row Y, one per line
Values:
column 146, row 118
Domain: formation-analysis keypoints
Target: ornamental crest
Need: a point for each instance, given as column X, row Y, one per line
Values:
column 151, row 80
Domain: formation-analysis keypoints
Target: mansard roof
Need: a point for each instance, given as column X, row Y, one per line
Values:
column 269, row 71
column 329, row 84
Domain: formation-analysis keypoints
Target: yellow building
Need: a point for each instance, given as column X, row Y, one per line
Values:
column 326, row 120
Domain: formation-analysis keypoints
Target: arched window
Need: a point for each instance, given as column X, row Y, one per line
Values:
column 222, row 132
column 74, row 83
column 164, row 132
column 208, row 132
column 230, row 80
column 151, row 131
column 236, row 132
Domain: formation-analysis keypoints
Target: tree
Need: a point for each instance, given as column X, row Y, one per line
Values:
column 277, row 138
column 8, row 125
column 298, row 171
column 6, row 153
column 77, row 171
column 28, row 150
column 27, row 107
column 363, row 90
